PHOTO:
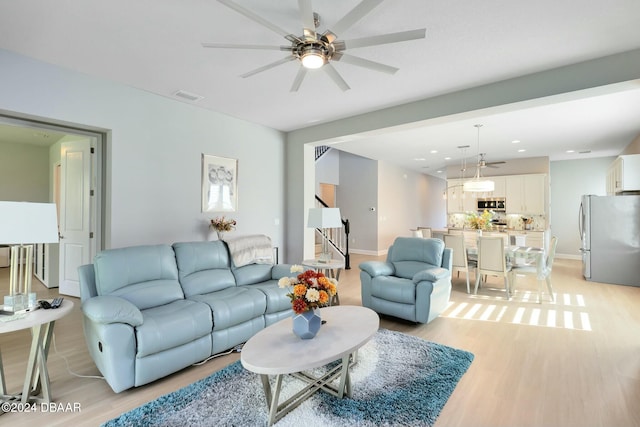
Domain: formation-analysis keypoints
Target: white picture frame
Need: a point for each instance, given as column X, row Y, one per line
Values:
column 219, row 184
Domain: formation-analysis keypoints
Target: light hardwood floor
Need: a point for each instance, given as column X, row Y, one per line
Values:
column 575, row 362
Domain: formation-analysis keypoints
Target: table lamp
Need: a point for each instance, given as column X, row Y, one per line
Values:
column 23, row 224
column 323, row 218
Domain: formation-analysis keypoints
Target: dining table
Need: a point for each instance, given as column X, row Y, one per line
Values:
column 519, row 256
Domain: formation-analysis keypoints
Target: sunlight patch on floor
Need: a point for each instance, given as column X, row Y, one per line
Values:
column 523, row 309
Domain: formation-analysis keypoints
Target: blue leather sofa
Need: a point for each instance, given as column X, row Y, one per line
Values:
column 149, row 311
column 413, row 284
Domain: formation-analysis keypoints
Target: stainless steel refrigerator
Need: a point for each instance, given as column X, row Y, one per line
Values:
column 610, row 230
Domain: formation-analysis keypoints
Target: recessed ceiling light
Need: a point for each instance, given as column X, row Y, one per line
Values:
column 571, row 151
column 433, row 151
column 419, row 159
column 447, row 158
column 522, row 150
column 439, row 171
column 515, row 141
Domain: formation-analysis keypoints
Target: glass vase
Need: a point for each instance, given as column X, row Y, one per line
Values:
column 307, row 324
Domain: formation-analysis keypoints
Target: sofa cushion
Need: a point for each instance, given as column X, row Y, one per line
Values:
column 233, row 306
column 252, row 273
column 147, row 276
column 395, row 289
column 203, row 267
column 172, row 325
column 277, row 299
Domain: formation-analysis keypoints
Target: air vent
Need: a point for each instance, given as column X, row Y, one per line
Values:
column 188, row 96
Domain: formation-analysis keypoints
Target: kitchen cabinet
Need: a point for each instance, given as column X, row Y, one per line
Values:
column 525, row 194
column 457, row 200
column 500, row 187
column 624, row 174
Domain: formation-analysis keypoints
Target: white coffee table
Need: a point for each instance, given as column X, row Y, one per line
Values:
column 277, row 351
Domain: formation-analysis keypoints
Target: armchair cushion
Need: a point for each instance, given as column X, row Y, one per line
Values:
column 111, row 309
column 377, row 268
column 431, row 275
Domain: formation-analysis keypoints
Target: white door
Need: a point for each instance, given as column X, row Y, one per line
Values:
column 75, row 213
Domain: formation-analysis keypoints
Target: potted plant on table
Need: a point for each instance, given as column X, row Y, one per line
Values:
column 310, row 290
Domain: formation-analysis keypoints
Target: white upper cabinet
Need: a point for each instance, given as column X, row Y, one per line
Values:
column 624, row 174
column 457, row 200
column 500, row 189
column 525, row 194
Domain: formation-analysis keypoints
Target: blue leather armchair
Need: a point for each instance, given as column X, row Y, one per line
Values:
column 413, row 284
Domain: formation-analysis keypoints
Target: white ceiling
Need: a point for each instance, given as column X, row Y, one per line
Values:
column 155, row 45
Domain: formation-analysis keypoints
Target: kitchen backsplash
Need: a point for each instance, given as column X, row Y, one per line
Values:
column 514, row 222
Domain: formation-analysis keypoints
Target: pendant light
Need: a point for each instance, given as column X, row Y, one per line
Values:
column 477, row 184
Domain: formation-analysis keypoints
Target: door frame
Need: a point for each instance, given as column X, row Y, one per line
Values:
column 98, row 140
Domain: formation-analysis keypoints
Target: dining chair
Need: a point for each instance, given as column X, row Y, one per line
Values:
column 542, row 272
column 425, row 232
column 492, row 261
column 461, row 262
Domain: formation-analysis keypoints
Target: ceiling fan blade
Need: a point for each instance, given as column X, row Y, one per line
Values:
column 328, row 68
column 254, row 17
column 302, row 72
column 361, row 62
column 268, row 66
column 244, row 46
column 306, row 14
column 401, row 36
column 357, row 13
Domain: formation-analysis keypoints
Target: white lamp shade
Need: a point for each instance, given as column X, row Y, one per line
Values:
column 27, row 223
column 324, row 218
column 479, row 186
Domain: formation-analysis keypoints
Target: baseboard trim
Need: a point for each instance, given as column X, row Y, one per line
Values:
column 569, row 256
column 368, row 252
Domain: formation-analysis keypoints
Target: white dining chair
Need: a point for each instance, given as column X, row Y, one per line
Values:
column 460, row 261
column 541, row 272
column 425, row 232
column 492, row 261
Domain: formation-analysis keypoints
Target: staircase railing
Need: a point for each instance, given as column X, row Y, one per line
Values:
column 338, row 238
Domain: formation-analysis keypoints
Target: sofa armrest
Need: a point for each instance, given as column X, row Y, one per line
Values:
column 431, row 275
column 111, row 309
column 377, row 268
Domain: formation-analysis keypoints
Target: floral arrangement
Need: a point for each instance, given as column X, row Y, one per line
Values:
column 223, row 224
column 480, row 222
column 310, row 289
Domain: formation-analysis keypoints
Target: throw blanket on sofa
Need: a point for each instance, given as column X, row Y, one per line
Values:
column 253, row 249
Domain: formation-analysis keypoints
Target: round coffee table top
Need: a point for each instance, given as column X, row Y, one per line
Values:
column 276, row 350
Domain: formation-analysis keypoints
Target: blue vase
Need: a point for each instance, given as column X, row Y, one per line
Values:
column 307, row 324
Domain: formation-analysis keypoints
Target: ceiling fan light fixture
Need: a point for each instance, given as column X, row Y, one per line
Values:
column 477, row 184
column 312, row 58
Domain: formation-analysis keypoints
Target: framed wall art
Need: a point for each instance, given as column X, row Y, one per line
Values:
column 219, row 184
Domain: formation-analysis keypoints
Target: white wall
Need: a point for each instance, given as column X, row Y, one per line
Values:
column 357, row 194
column 407, row 200
column 154, row 147
column 570, row 179
column 24, row 172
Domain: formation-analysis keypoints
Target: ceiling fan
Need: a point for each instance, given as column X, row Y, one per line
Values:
column 484, row 164
column 318, row 50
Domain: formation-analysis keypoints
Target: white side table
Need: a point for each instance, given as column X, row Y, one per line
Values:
column 330, row 269
column 41, row 322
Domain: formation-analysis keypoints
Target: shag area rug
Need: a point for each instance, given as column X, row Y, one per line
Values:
column 398, row 380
